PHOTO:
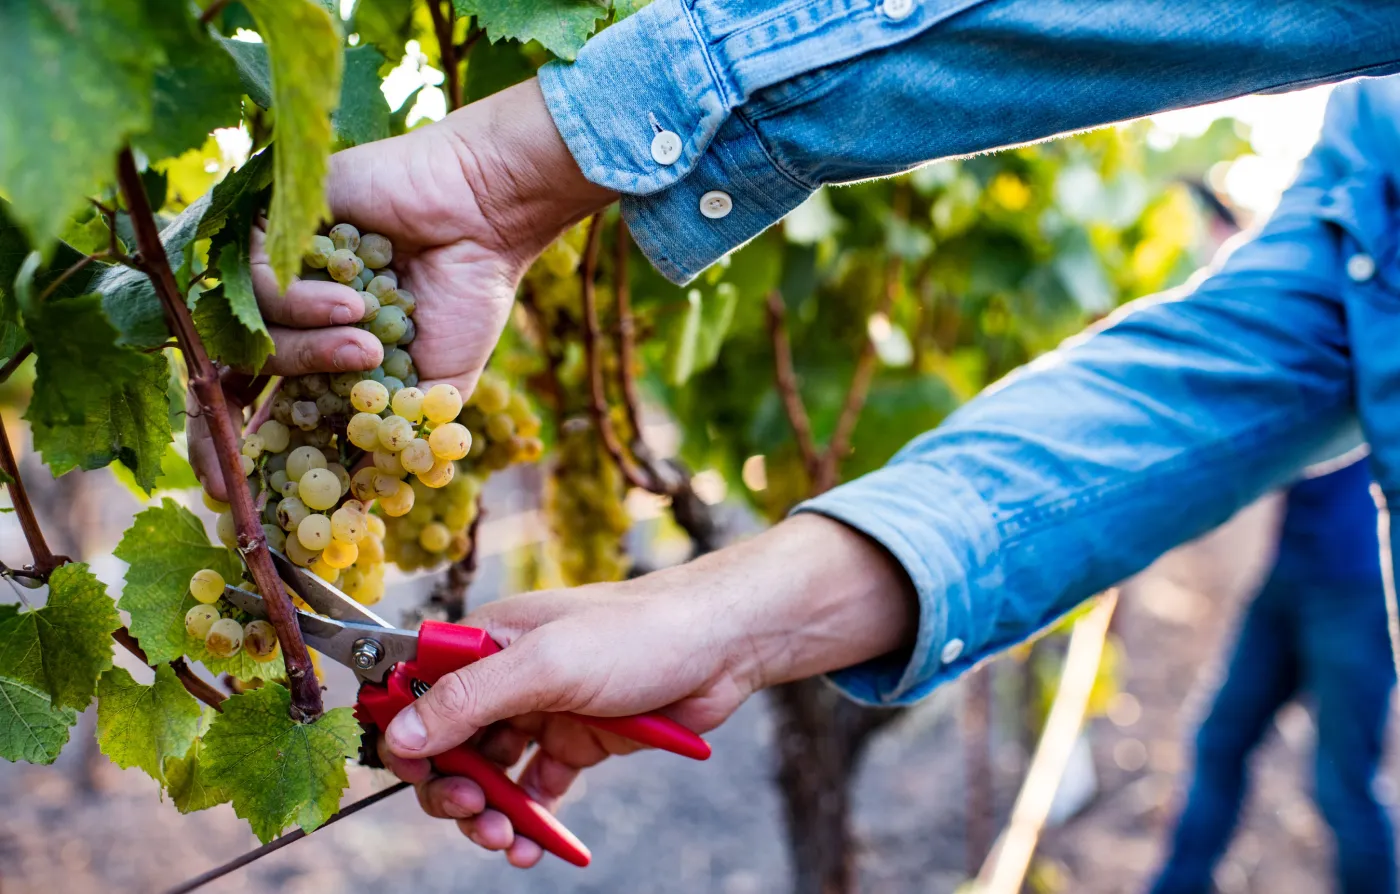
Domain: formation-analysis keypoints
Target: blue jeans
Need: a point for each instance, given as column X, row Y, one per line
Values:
column 1327, row 641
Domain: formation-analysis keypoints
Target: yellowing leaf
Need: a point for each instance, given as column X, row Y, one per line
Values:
column 65, row 646
column 561, row 26
column 276, row 771
column 303, row 47
column 143, row 726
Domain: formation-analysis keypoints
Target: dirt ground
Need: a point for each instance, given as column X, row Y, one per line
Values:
column 660, row 824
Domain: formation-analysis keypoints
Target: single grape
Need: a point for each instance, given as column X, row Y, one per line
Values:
column 442, row 403
column 492, row 394
column 282, row 408
column 343, row 266
column 275, row 436
column 397, row 362
column 412, row 380
column 405, row 301
column 299, row 554
column 314, row 532
column 417, row 457
column 269, row 510
column 276, row 537
column 319, row 437
column 387, row 461
column 224, row 638
column 440, row 474
column 363, row 430
column 207, row 586
column 376, row 526
column 370, row 396
column 362, row 484
column 434, row 537
column 260, row 641
column 450, row 441
column 227, row 530
column 319, row 253
column 313, row 385
column 383, row 283
column 384, row 485
column 371, row 307
column 410, row 332
column 343, row 383
column 199, row 619
column 408, row 403
column 289, row 488
column 214, row 505
column 277, row 462
column 349, row 524
column 363, row 279
column 389, row 325
column 319, row 489
column 340, row 553
column 253, row 446
column 324, row 571
column 303, row 460
column 371, row 551
column 500, row 427
column 331, row 404
column 306, row 415
column 376, row 250
column 345, row 237
column 395, row 432
column 400, row 501
column 392, row 385
column 377, row 374
column 530, row 450
column 291, row 512
column 342, row 477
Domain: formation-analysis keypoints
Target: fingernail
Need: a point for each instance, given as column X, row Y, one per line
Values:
column 349, row 357
column 407, row 732
column 342, row 315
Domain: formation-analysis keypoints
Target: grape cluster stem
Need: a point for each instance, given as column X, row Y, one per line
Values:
column 206, row 387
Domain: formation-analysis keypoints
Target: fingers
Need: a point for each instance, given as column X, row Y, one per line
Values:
column 522, row 679
column 306, row 303
column 337, row 349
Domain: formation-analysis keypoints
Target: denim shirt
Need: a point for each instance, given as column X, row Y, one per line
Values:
column 1080, row 469
column 762, row 101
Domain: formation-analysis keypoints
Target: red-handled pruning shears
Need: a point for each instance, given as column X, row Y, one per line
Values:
column 395, row 667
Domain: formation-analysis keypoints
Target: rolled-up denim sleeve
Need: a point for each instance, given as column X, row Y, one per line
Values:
column 1081, row 469
column 765, row 101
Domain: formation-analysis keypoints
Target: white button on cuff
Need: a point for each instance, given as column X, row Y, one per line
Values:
column 897, row 9
column 1361, row 267
column 715, row 204
column 951, row 650
column 665, row 148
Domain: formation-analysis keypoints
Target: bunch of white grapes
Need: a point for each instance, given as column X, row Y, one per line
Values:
column 212, row 622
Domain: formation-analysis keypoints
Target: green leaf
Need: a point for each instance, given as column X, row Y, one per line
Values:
column 683, row 341
column 388, row 24
column 197, row 91
column 95, row 401
column 62, row 648
column 492, row 67
column 363, row 113
column 31, row 728
column 186, row 779
column 277, row 771
column 236, row 193
column 225, row 337
column 625, row 8
column 78, row 77
column 716, row 316
column 143, row 726
column 250, row 61
column 304, row 54
column 561, row 26
column 14, row 251
column 164, row 547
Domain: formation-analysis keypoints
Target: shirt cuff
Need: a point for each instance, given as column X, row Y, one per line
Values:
column 948, row 549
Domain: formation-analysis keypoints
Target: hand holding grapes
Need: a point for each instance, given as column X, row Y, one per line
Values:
column 466, row 203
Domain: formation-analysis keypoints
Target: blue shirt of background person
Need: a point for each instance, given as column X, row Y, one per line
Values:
column 1317, row 629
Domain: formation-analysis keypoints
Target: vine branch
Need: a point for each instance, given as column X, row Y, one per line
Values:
column 443, row 26
column 193, row 683
column 239, row 862
column 15, row 362
column 627, row 340
column 208, row 392
column 787, row 385
column 44, row 559
column 450, row 593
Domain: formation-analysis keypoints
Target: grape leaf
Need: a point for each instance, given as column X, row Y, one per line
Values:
column 496, row 66
column 94, row 400
column 238, row 193
column 387, row 24
column 561, row 26
column 78, row 79
column 62, row 648
column 31, row 728
column 225, row 337
column 277, row 771
column 250, row 60
column 304, row 54
column 142, row 726
column 14, row 249
column 195, row 92
column 625, row 8
column 186, row 779
column 363, row 113
column 164, row 547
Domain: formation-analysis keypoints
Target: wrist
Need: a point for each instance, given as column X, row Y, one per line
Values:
column 809, row 596
column 526, row 182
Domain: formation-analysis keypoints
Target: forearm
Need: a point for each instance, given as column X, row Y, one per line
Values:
column 765, row 107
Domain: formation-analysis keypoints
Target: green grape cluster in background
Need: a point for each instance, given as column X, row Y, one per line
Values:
column 585, row 508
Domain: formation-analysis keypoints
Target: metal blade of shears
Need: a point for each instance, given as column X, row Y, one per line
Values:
column 322, row 596
column 370, row 650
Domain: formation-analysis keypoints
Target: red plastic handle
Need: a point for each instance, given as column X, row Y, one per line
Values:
column 444, row 648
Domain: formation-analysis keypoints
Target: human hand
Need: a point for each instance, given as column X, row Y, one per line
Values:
column 468, row 203
column 693, row 642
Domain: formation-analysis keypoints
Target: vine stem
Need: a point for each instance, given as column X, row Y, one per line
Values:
column 207, row 389
column 44, row 559
column 447, row 48
column 786, row 379
column 627, row 339
column 239, row 862
column 15, row 362
column 196, row 686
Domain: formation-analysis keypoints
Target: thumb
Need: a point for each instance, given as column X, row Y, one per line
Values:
column 512, row 682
